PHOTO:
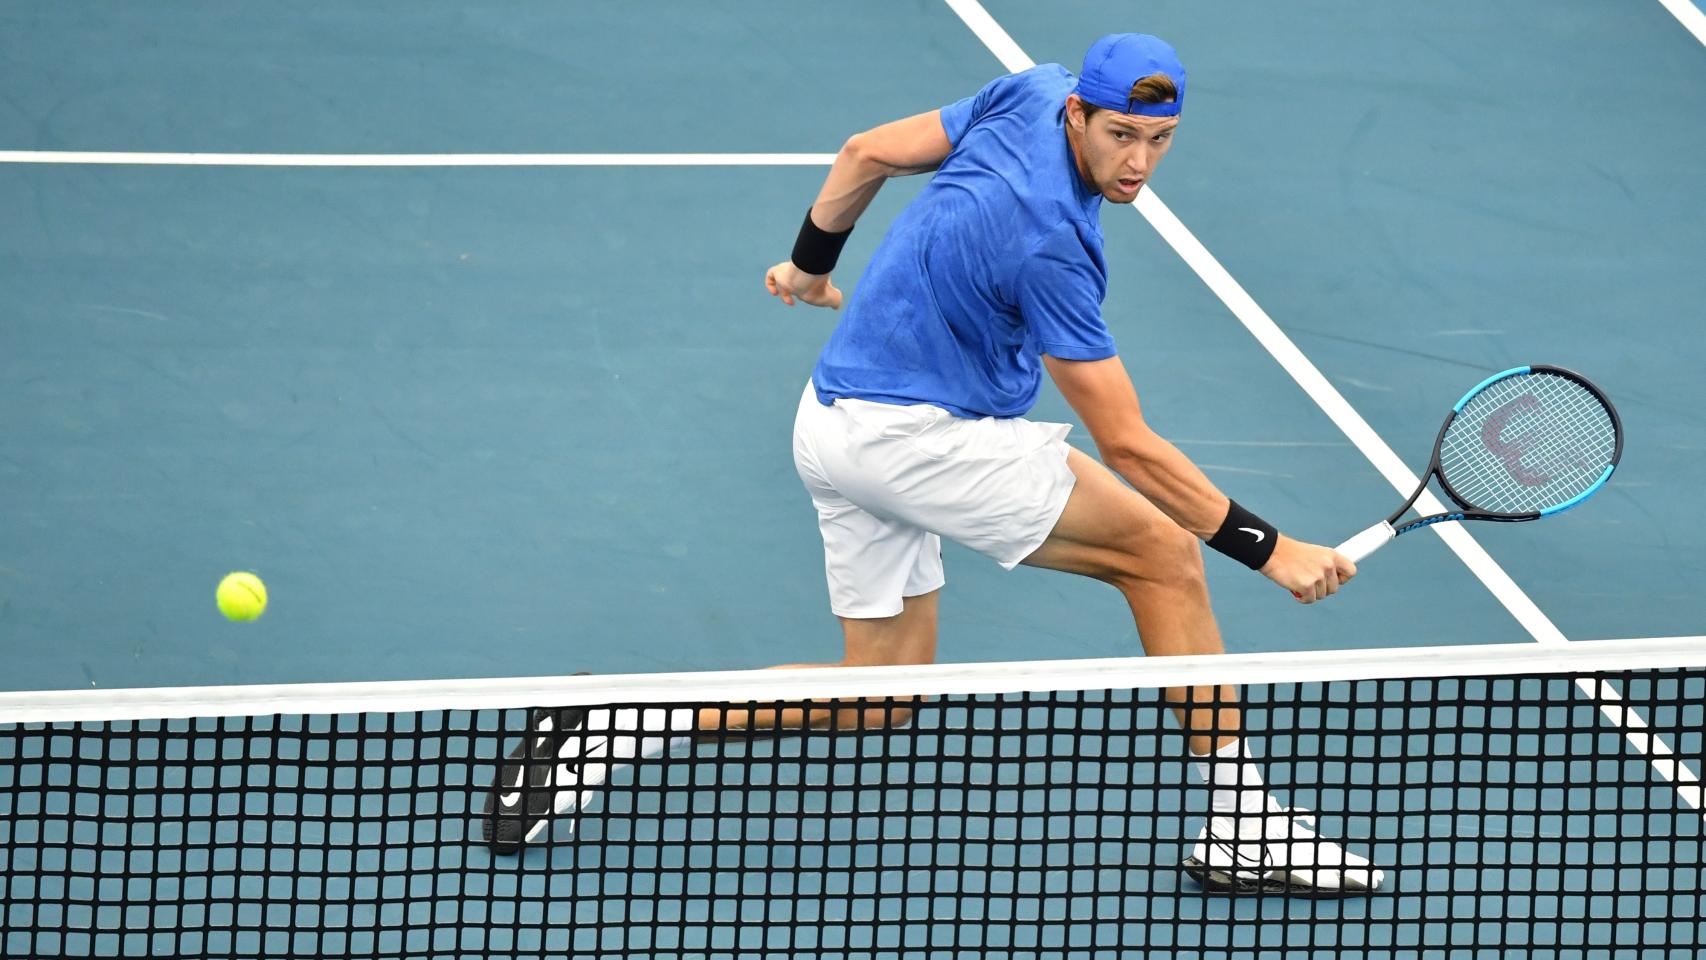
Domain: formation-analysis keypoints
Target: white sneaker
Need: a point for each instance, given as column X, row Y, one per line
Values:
column 1277, row 852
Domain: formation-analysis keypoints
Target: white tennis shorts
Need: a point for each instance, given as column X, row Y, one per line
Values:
column 890, row 481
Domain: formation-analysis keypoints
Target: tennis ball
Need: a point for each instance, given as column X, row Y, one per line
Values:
column 241, row 596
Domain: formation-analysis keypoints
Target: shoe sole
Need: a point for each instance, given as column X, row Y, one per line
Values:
column 1214, row 880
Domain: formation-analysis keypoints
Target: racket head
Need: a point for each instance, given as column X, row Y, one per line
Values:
column 1527, row 443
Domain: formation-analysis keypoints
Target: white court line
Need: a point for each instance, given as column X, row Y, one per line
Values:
column 422, row 159
column 1689, row 15
column 1343, row 415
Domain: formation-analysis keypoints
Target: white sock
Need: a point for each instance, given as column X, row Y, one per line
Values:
column 1234, row 779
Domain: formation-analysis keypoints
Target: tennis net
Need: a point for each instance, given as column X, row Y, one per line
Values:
column 1522, row 801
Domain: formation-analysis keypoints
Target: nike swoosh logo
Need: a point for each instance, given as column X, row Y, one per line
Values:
column 1242, row 860
column 511, row 799
column 1260, row 535
column 587, row 749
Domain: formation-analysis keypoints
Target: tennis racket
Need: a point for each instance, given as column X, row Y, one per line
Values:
column 1524, row 444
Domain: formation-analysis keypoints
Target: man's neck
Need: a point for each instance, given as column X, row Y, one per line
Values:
column 1072, row 142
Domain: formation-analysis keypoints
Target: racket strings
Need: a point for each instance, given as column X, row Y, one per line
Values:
column 1528, row 443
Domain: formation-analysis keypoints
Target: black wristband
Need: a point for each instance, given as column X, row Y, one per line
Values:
column 1245, row 537
column 815, row 249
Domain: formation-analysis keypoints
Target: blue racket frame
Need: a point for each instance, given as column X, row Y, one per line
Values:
column 1367, row 541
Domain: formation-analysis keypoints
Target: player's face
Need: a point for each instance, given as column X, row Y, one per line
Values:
column 1118, row 152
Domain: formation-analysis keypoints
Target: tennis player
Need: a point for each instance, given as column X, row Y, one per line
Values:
column 912, row 427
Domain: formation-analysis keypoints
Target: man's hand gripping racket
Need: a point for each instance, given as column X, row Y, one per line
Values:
column 1524, row 444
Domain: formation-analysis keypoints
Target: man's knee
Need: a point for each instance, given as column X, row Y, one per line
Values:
column 908, row 638
column 1163, row 554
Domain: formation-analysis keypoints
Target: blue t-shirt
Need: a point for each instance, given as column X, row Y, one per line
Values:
column 996, row 262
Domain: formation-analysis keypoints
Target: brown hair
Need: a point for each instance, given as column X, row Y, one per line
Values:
column 1155, row 88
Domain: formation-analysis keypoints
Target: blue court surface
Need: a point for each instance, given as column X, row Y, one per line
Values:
column 476, row 421
column 528, row 412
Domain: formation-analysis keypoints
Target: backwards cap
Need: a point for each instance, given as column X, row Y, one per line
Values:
column 1119, row 60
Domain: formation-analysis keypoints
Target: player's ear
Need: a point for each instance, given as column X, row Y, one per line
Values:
column 1075, row 112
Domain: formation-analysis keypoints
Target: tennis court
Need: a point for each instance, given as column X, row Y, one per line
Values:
column 449, row 323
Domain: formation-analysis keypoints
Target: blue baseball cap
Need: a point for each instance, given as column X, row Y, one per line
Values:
column 1119, row 60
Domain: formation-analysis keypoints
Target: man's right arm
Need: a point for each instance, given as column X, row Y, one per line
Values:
column 1101, row 393
column 916, row 144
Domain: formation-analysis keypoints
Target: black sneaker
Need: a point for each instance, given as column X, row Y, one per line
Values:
column 519, row 804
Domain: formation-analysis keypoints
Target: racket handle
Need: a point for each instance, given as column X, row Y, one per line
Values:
column 1368, row 541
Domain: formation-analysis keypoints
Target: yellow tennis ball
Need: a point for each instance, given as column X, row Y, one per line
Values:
column 241, row 596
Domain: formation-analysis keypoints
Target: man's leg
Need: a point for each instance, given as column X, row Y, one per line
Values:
column 909, row 637
column 1249, row 843
column 1110, row 532
column 534, row 784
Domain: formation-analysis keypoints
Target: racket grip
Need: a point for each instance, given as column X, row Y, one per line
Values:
column 1368, row 541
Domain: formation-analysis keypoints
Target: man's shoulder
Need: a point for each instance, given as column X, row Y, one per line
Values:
column 1046, row 81
column 1028, row 94
column 1073, row 243
column 1072, row 233
column 1049, row 74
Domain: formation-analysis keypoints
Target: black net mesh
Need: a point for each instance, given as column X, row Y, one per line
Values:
column 1512, row 816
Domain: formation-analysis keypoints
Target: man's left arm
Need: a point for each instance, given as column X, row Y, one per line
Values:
column 1102, row 395
column 916, row 144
